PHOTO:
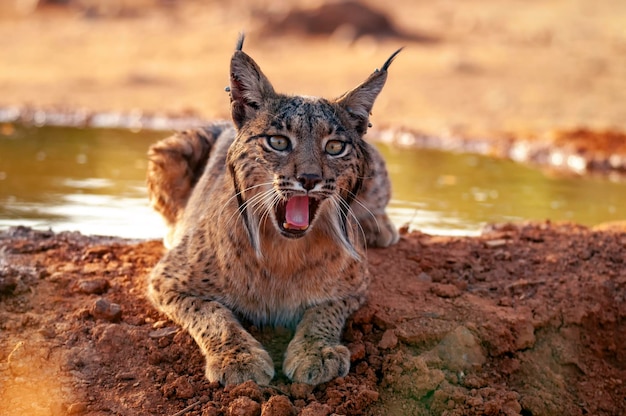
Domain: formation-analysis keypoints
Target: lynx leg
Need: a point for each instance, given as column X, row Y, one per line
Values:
column 369, row 208
column 315, row 355
column 232, row 354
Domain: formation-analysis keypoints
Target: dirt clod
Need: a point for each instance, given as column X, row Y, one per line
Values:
column 389, row 340
column 244, row 406
column 278, row 406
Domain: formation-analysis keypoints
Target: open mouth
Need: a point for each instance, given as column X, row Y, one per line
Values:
column 295, row 215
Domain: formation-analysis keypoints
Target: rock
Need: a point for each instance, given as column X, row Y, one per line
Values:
column 103, row 309
column 93, row 286
column 460, row 350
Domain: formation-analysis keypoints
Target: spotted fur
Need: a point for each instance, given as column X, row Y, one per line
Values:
column 223, row 191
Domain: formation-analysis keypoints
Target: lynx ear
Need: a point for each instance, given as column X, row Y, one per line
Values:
column 359, row 101
column 248, row 86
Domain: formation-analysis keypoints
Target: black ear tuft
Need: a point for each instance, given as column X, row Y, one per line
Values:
column 359, row 101
column 249, row 87
column 388, row 61
column 240, row 40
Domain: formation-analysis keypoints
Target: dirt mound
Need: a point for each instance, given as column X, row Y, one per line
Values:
column 346, row 19
column 526, row 319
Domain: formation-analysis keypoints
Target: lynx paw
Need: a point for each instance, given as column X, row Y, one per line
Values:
column 238, row 366
column 315, row 364
column 379, row 230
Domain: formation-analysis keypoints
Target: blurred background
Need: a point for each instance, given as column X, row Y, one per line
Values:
column 474, row 66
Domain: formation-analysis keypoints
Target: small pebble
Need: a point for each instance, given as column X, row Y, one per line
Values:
column 103, row 309
column 496, row 243
column 163, row 332
column 93, row 287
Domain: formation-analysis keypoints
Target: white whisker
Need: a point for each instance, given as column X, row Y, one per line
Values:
column 246, row 203
column 338, row 202
column 362, row 205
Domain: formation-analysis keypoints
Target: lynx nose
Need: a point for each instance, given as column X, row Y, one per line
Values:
column 309, row 180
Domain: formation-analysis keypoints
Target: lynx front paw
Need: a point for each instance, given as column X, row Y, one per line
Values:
column 238, row 366
column 316, row 363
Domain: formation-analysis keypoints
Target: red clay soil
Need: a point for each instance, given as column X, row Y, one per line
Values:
column 526, row 319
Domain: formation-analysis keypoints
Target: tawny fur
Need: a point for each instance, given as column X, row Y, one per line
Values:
column 220, row 190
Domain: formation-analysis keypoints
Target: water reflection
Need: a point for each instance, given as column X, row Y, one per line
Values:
column 92, row 180
column 449, row 193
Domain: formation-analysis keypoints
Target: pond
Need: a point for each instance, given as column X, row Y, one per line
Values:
column 92, row 181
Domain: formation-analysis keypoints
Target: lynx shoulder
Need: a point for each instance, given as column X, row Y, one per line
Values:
column 268, row 218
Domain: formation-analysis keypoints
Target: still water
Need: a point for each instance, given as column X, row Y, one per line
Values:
column 92, row 180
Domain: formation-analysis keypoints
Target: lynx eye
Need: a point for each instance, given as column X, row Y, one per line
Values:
column 335, row 147
column 280, row 143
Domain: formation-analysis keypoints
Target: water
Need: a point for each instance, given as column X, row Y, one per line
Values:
column 451, row 193
column 92, row 180
column 89, row 180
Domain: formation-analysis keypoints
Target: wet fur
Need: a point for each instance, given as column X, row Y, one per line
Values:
column 217, row 188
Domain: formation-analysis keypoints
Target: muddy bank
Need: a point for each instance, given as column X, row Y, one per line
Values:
column 525, row 319
column 579, row 150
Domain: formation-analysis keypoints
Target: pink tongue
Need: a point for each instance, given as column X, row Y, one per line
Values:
column 297, row 211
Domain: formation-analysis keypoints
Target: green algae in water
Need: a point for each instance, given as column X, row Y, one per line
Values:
column 93, row 181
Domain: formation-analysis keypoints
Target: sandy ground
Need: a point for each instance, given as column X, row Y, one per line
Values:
column 525, row 320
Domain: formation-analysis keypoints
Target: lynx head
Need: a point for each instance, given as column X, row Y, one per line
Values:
column 297, row 162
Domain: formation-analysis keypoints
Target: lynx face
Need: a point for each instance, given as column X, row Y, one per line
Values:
column 308, row 165
column 297, row 160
